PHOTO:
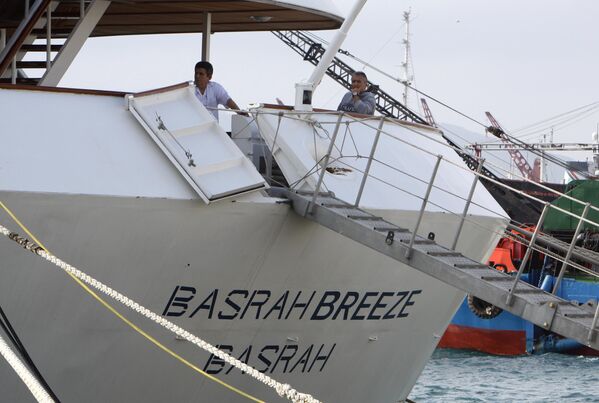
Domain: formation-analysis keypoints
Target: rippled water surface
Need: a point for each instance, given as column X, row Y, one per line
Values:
column 453, row 375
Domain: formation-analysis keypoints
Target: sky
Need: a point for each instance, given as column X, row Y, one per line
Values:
column 525, row 61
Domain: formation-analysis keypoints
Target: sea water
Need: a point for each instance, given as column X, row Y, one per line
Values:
column 453, row 375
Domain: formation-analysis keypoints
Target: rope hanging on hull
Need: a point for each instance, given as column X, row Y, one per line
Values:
column 36, row 389
column 283, row 390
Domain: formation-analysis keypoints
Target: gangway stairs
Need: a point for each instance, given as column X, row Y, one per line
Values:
column 51, row 33
column 544, row 309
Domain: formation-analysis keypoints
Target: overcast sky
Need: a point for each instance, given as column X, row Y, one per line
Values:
column 524, row 61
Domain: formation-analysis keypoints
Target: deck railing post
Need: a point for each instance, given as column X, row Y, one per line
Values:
column 48, row 38
column 369, row 163
column 13, row 75
column 467, row 206
column 423, row 206
column 81, row 8
column 529, row 251
column 325, row 163
column 593, row 325
column 560, row 276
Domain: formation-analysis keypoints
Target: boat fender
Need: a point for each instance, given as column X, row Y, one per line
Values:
column 482, row 309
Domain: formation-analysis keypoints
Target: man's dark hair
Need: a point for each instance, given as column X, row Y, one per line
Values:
column 361, row 74
column 206, row 66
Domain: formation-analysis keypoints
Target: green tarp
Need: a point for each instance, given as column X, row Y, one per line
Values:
column 585, row 190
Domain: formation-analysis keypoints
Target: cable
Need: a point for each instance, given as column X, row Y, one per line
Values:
column 546, row 156
column 14, row 338
column 127, row 321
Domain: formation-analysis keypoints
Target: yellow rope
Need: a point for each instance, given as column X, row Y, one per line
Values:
column 128, row 322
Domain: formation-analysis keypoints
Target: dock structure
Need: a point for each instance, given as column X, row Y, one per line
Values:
column 507, row 292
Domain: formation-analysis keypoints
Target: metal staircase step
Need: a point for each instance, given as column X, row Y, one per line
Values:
column 496, row 278
column 338, row 205
column 364, row 217
column 391, row 229
column 40, row 33
column 309, row 193
column 528, row 291
column 579, row 315
column 445, row 253
column 471, row 266
column 40, row 48
column 531, row 303
column 31, row 65
column 21, row 80
column 420, row 242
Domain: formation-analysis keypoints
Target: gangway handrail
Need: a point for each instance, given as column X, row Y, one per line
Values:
column 546, row 310
column 479, row 175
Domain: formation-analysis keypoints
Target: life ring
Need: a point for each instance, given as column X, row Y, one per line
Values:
column 482, row 309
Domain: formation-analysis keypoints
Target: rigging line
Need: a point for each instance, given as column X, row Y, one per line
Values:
column 556, row 160
column 498, row 156
column 14, row 338
column 446, row 143
column 554, row 117
column 564, row 122
column 542, row 154
column 403, row 82
column 283, row 390
column 127, row 321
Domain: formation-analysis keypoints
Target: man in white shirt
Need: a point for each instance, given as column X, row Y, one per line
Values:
column 209, row 93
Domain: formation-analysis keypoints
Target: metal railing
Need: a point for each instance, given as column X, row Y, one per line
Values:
column 377, row 126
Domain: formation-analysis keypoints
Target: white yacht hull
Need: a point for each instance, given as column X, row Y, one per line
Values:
column 233, row 273
column 301, row 303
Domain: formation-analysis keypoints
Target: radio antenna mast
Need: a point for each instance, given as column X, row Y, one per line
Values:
column 407, row 76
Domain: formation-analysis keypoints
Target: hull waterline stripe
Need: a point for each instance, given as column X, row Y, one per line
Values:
column 284, row 390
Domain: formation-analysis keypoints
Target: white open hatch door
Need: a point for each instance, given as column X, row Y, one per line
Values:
column 194, row 142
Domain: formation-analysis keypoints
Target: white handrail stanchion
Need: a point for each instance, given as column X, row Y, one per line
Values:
column 423, row 206
column 48, row 38
column 325, row 163
column 467, row 206
column 529, row 251
column 367, row 170
column 570, row 249
column 593, row 325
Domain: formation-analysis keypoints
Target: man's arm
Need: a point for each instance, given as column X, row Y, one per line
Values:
column 366, row 104
column 232, row 105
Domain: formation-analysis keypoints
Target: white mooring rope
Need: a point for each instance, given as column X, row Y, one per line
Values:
column 284, row 390
column 36, row 389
